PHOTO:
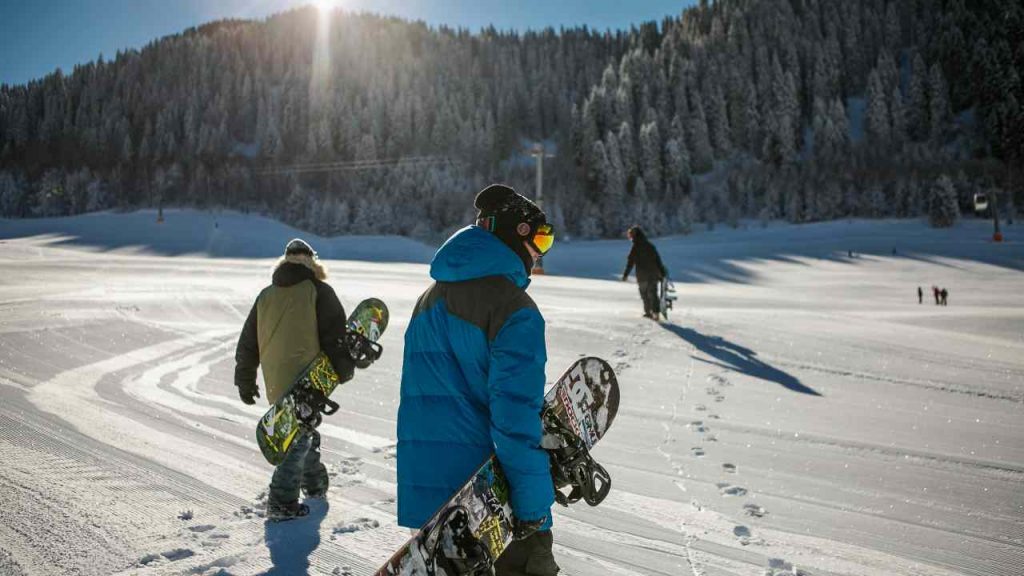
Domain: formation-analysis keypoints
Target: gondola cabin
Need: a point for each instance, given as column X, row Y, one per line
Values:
column 980, row 202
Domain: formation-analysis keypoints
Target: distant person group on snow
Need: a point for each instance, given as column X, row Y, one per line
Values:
column 941, row 295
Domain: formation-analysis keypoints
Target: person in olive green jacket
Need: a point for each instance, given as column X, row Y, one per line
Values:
column 292, row 320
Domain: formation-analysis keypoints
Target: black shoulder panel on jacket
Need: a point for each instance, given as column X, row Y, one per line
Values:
column 484, row 302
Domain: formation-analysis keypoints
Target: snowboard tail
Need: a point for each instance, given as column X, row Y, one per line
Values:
column 666, row 296
column 473, row 528
column 308, row 399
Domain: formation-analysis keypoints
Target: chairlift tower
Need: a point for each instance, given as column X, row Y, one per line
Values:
column 997, row 235
column 539, row 153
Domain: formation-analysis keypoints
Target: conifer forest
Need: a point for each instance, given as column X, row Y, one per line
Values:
column 802, row 110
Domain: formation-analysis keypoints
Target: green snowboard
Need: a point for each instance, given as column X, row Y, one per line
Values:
column 308, row 397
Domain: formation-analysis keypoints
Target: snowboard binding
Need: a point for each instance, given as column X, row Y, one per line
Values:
column 455, row 550
column 572, row 465
column 362, row 350
column 311, row 404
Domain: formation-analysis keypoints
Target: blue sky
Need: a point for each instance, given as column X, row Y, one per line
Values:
column 39, row 36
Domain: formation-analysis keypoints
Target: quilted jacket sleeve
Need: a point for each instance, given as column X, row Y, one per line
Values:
column 516, row 387
column 247, row 354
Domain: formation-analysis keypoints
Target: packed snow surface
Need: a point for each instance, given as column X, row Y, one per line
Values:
column 800, row 412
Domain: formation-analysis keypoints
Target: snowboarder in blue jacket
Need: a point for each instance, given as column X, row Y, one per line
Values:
column 473, row 377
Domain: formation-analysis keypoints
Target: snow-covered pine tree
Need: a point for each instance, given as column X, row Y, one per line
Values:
column 938, row 103
column 828, row 200
column 718, row 121
column 597, row 170
column 943, row 208
column 699, row 144
column 877, row 120
column 685, row 218
column 627, row 151
column 887, row 72
column 821, row 128
column 875, row 201
column 96, row 195
column 677, row 171
column 893, row 28
column 640, row 214
column 897, row 117
column 12, row 195
column 650, row 158
column 918, row 112
column 614, row 208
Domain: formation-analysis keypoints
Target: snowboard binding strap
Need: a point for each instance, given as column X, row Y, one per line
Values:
column 572, row 465
column 455, row 551
column 362, row 350
column 310, row 406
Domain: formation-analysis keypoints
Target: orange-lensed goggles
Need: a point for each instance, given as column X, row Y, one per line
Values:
column 543, row 238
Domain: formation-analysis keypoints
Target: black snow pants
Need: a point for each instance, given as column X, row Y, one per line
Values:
column 530, row 557
column 649, row 294
column 301, row 468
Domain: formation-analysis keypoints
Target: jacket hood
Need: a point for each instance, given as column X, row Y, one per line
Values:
column 291, row 273
column 476, row 253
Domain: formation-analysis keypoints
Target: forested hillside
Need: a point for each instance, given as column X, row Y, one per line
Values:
column 796, row 109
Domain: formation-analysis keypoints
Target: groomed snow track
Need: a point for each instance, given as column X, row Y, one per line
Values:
column 810, row 418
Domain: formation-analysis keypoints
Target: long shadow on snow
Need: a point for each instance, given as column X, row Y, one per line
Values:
column 200, row 233
column 735, row 357
column 291, row 543
column 715, row 257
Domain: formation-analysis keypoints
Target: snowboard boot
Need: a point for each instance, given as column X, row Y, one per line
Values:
column 289, row 511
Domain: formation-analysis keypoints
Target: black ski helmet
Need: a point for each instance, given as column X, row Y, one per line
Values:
column 510, row 216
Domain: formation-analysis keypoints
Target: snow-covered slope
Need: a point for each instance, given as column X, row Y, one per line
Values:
column 800, row 413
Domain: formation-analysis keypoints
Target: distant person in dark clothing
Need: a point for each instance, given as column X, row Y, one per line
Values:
column 649, row 270
column 935, row 292
column 944, row 294
column 920, row 295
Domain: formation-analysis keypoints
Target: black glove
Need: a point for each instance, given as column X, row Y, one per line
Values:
column 249, row 395
column 523, row 529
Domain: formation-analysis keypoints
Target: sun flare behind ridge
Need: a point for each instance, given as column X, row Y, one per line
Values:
column 325, row 6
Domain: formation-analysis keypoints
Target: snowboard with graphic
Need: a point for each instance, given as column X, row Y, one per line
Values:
column 478, row 519
column 308, row 397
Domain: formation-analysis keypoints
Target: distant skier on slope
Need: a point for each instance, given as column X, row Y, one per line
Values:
column 473, row 378
column 293, row 319
column 649, row 270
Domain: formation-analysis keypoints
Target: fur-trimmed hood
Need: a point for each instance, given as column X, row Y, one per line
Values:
column 294, row 268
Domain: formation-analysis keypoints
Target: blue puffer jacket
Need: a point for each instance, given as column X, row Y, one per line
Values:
column 472, row 382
